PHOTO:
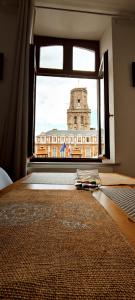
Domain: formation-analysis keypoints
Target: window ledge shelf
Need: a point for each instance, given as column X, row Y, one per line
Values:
column 105, row 166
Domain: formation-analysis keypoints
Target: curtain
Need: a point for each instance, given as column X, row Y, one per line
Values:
column 13, row 156
column 32, row 103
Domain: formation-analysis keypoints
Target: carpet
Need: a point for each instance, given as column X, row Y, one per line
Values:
column 62, row 245
column 124, row 198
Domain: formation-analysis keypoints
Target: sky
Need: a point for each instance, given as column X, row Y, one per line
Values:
column 53, row 93
column 53, row 99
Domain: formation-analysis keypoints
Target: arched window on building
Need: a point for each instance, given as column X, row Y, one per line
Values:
column 54, row 152
column 88, row 152
column 82, row 120
column 75, row 119
column 78, row 103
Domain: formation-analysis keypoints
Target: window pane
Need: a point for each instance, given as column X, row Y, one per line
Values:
column 51, row 57
column 102, row 116
column 67, row 128
column 83, row 60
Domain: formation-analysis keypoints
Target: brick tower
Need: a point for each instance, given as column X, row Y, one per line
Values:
column 78, row 114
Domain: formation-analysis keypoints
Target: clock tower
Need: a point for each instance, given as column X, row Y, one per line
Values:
column 78, row 114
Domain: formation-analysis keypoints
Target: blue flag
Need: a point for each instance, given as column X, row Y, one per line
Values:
column 63, row 147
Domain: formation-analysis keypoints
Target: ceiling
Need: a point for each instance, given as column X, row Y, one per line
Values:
column 83, row 19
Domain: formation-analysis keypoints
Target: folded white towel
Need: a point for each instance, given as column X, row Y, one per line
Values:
column 89, row 176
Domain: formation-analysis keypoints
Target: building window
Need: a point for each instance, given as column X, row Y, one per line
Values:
column 54, row 152
column 62, row 139
column 59, row 70
column 71, row 139
column 75, row 120
column 82, row 120
column 88, row 152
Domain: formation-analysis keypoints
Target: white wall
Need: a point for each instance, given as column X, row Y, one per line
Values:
column 106, row 44
column 123, row 33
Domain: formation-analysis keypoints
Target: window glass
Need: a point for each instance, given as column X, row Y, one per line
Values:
column 66, row 129
column 102, row 116
column 83, row 59
column 51, row 57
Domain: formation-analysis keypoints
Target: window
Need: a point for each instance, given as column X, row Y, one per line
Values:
column 81, row 120
column 88, row 152
column 66, row 96
column 75, row 120
column 63, row 57
column 54, row 152
column 104, row 147
column 51, row 57
column 85, row 64
column 54, row 139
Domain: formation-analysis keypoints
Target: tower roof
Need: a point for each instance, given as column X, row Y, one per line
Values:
column 84, row 89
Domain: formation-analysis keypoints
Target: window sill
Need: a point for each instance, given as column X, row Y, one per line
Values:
column 70, row 166
column 64, row 160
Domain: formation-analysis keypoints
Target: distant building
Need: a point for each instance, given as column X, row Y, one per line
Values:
column 79, row 141
column 78, row 114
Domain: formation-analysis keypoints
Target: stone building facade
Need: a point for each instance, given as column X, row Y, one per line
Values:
column 79, row 143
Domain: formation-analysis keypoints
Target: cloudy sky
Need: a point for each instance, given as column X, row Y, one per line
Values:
column 53, row 98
